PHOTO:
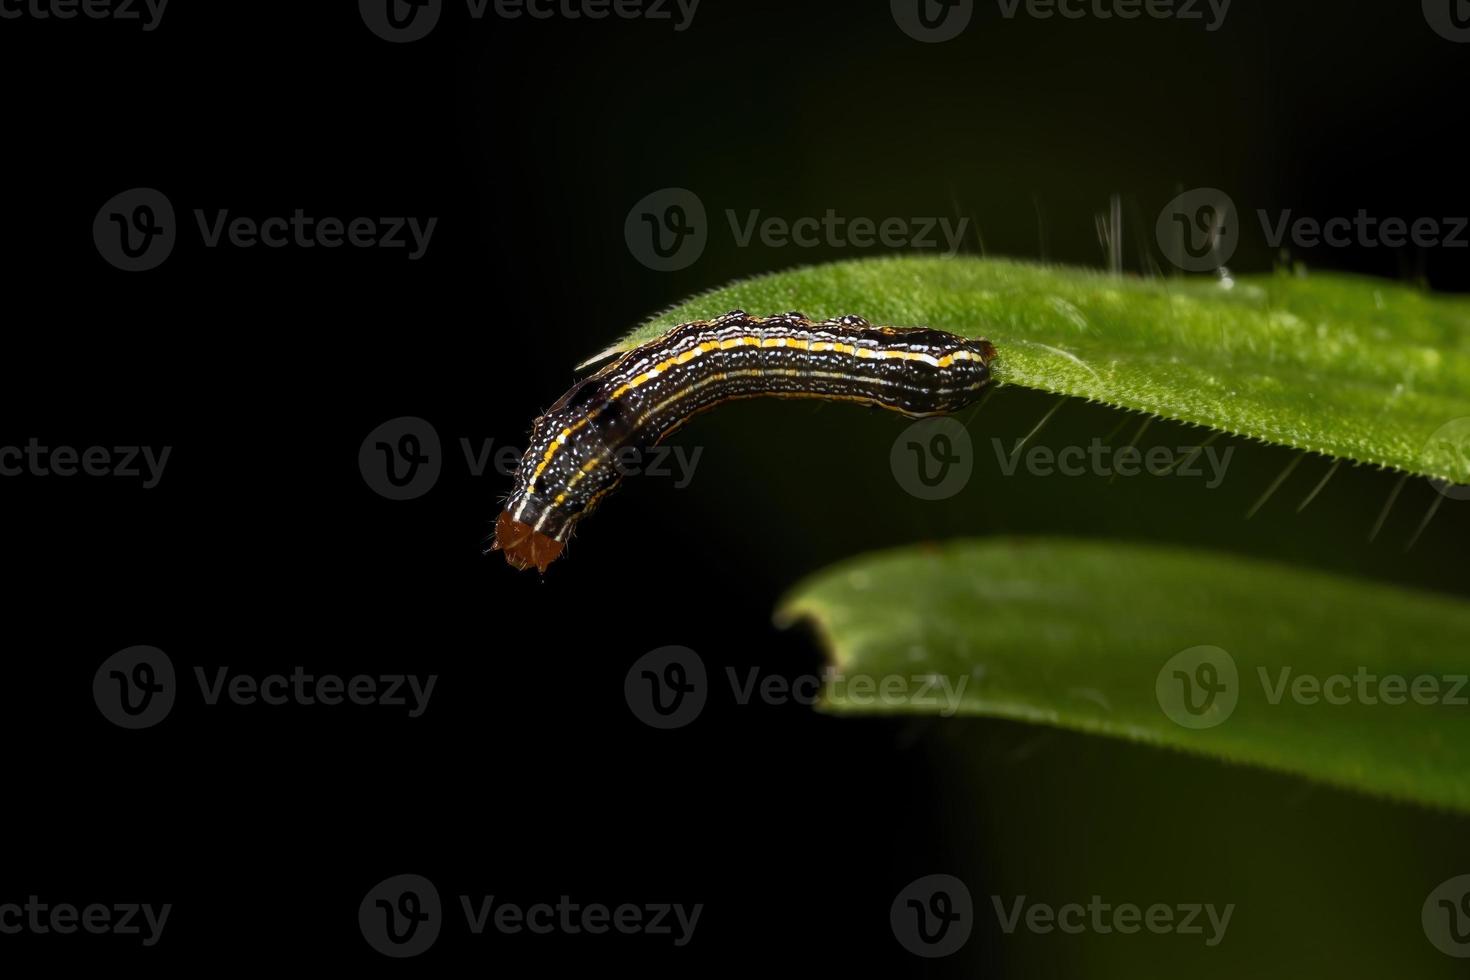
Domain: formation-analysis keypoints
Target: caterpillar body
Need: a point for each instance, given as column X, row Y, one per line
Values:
column 648, row 392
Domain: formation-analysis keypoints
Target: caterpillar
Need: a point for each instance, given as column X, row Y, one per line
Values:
column 650, row 391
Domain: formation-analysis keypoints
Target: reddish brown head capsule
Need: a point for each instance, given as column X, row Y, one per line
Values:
column 524, row 546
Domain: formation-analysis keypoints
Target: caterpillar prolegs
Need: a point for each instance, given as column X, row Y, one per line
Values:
column 648, row 392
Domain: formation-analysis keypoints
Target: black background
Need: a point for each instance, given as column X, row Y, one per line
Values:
column 528, row 777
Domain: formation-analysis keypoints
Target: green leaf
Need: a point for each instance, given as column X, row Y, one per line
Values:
column 1368, row 370
column 1102, row 637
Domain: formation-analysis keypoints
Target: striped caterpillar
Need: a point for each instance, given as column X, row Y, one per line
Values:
column 650, row 391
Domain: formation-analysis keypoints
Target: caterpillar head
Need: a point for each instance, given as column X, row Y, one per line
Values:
column 523, row 545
